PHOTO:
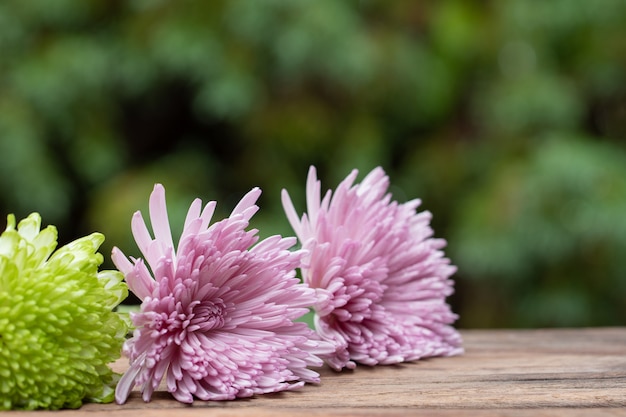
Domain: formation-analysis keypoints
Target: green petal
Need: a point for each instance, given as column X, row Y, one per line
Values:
column 58, row 327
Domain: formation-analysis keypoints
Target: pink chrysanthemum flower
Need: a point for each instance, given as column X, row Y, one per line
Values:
column 381, row 276
column 217, row 313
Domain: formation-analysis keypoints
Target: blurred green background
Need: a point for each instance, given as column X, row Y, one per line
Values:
column 507, row 118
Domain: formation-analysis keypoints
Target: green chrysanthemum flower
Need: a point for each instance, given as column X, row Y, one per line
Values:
column 58, row 330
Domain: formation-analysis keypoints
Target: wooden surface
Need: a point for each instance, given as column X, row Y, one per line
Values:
column 570, row 372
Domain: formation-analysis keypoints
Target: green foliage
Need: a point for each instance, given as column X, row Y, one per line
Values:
column 549, row 229
column 506, row 118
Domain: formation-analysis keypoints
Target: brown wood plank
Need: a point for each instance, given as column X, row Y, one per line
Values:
column 574, row 372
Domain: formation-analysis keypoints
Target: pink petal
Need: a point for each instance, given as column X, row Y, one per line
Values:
column 159, row 218
column 127, row 382
column 383, row 276
column 141, row 233
column 290, row 211
column 312, row 194
column 140, row 281
column 246, row 205
column 121, row 261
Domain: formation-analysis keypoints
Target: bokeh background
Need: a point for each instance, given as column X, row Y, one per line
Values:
column 507, row 118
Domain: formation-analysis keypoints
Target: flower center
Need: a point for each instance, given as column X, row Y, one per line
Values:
column 207, row 315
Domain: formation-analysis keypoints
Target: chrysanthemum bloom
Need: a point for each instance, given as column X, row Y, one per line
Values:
column 216, row 319
column 382, row 276
column 58, row 330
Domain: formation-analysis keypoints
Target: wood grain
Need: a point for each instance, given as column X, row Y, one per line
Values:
column 573, row 372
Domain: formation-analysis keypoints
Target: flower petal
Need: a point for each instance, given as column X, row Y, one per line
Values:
column 217, row 320
column 383, row 277
column 159, row 218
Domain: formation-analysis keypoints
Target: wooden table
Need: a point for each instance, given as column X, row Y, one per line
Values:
column 570, row 372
